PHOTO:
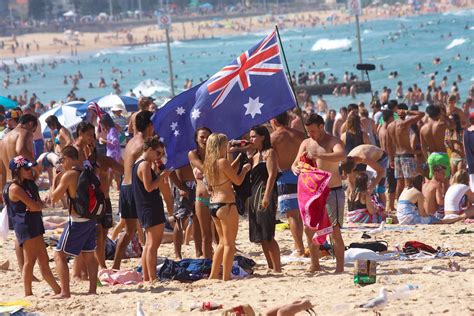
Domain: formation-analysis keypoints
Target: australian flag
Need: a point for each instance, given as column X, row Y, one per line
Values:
column 248, row 92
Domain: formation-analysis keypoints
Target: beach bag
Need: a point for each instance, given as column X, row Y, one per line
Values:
column 377, row 246
column 413, row 246
column 4, row 224
column 90, row 200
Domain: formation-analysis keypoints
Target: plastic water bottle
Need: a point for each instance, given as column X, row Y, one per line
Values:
column 404, row 291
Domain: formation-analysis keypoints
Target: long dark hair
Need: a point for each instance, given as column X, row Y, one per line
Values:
column 263, row 131
column 353, row 124
column 196, row 132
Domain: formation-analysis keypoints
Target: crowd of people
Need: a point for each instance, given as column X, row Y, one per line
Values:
column 396, row 162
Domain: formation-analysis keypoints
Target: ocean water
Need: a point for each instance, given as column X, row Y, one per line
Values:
column 407, row 42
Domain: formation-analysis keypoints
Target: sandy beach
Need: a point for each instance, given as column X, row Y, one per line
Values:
column 48, row 44
column 440, row 291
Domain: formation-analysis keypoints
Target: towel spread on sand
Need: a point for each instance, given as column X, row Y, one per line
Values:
column 313, row 191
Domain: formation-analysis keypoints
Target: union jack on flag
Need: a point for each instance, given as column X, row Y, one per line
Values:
column 256, row 62
column 249, row 91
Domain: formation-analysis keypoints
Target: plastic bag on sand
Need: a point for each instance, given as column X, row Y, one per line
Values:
column 353, row 254
column 4, row 224
column 113, row 277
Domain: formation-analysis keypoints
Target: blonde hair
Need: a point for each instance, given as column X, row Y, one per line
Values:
column 461, row 176
column 214, row 143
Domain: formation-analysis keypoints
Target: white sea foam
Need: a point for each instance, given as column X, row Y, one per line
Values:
column 330, row 44
column 460, row 13
column 456, row 42
column 367, row 31
column 149, row 87
column 34, row 59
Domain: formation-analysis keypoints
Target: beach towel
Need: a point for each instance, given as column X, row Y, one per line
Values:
column 313, row 191
column 113, row 277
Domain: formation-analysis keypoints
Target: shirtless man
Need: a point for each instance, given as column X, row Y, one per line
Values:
column 339, row 122
column 398, row 132
column 451, row 108
column 79, row 235
column 60, row 135
column 432, row 139
column 143, row 105
column 372, row 156
column 133, row 150
column 389, row 147
column 85, row 141
column 327, row 151
column 434, row 191
column 286, row 142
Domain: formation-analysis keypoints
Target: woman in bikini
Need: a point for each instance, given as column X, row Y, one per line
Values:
column 196, row 159
column 24, row 210
column 263, row 205
column 220, row 173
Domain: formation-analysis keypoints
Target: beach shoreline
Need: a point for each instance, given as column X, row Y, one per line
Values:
column 71, row 44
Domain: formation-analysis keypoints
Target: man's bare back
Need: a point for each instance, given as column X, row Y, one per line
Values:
column 131, row 153
column 432, row 136
column 286, row 142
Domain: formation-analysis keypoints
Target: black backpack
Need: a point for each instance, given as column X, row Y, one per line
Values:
column 90, row 200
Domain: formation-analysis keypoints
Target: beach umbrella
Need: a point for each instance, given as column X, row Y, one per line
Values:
column 108, row 101
column 8, row 103
column 69, row 115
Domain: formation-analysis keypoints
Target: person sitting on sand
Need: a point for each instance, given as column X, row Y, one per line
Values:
column 458, row 199
column 24, row 210
column 434, row 190
column 411, row 204
column 361, row 206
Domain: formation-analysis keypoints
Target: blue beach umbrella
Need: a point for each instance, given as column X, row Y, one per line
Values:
column 8, row 103
column 69, row 115
column 108, row 101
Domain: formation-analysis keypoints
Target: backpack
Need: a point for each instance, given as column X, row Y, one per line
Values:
column 413, row 246
column 90, row 200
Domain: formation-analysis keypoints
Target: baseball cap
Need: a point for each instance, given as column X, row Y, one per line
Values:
column 20, row 162
column 471, row 116
column 13, row 114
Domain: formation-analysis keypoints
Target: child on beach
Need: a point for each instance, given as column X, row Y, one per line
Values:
column 24, row 208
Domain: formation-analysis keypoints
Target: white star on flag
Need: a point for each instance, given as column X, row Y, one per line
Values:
column 195, row 114
column 253, row 107
column 176, row 133
column 174, row 125
column 180, row 110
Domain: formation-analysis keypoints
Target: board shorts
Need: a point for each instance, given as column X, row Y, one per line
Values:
column 287, row 188
column 335, row 205
column 127, row 206
column 184, row 206
column 405, row 166
column 407, row 214
column 78, row 236
column 439, row 159
column 391, row 180
column 38, row 146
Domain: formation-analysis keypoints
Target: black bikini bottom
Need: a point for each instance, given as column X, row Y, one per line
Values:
column 214, row 207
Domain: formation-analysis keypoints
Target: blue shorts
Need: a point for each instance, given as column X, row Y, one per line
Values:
column 78, row 237
column 38, row 147
column 287, row 192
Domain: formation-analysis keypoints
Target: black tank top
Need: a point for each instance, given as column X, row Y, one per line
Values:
column 145, row 201
column 353, row 140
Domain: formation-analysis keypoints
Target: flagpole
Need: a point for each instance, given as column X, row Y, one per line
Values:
column 291, row 80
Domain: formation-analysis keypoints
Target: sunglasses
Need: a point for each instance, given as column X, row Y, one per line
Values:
column 61, row 160
column 159, row 152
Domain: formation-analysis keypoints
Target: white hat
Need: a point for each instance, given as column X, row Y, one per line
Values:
column 119, row 107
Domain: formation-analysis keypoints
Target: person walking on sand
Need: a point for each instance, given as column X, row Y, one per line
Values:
column 147, row 185
column 220, row 174
column 24, row 208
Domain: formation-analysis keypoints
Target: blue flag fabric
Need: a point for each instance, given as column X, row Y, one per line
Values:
column 248, row 92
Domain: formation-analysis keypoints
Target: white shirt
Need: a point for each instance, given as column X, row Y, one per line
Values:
column 452, row 199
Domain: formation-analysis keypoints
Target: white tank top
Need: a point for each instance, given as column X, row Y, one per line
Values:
column 452, row 199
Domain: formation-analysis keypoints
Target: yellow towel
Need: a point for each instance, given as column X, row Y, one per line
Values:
column 16, row 303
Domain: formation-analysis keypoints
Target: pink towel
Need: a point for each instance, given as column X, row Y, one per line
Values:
column 113, row 277
column 313, row 191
